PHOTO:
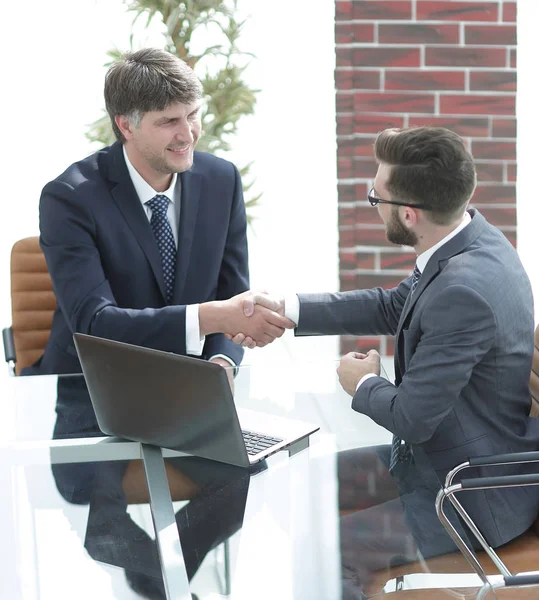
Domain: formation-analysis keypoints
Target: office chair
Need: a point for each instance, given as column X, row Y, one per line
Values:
column 511, row 552
column 32, row 308
column 518, row 556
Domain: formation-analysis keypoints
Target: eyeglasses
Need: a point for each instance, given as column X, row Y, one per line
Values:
column 374, row 200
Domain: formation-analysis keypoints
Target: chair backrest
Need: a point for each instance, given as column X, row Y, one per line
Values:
column 32, row 301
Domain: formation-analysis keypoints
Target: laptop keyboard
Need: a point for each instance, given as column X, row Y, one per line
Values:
column 258, row 442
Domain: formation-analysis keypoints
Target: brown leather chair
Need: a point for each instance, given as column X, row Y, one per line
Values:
column 520, row 556
column 32, row 307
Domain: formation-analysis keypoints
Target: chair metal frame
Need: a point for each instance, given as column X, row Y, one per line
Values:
column 484, row 483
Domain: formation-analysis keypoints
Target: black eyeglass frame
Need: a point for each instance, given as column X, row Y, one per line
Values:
column 374, row 200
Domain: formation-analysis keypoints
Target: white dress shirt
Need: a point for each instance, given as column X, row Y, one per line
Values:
column 292, row 305
column 194, row 343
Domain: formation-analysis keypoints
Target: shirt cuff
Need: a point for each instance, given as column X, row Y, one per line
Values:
column 364, row 378
column 291, row 308
column 193, row 342
column 224, row 357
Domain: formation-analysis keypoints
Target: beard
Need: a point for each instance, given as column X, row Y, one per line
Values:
column 397, row 233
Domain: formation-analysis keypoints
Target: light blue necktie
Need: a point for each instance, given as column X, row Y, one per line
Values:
column 401, row 452
column 165, row 240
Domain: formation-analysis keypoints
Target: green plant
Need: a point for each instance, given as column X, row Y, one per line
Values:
column 220, row 67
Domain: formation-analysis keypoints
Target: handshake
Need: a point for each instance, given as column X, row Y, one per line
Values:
column 250, row 319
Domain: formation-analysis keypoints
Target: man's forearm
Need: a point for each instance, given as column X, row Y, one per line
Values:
column 211, row 317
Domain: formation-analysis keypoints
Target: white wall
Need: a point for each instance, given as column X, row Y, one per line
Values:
column 52, row 88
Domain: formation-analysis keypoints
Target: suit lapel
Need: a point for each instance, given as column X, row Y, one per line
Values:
column 125, row 196
column 191, row 182
column 435, row 265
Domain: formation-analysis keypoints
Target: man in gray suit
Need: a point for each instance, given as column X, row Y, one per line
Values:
column 464, row 342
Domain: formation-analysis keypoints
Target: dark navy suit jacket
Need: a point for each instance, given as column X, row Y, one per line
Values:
column 105, row 264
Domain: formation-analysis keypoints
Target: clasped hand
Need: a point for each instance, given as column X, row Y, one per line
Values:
column 256, row 319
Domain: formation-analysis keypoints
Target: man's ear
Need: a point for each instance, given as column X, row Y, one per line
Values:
column 124, row 125
column 409, row 216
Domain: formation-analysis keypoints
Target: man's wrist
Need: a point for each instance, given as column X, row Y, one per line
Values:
column 211, row 316
column 364, row 378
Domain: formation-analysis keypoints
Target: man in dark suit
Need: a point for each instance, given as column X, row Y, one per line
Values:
column 464, row 341
column 145, row 242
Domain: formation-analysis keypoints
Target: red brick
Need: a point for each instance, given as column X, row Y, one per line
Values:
column 350, row 260
column 345, row 192
column 347, row 236
column 497, row 35
column 376, row 123
column 489, row 171
column 450, row 56
column 371, row 236
column 394, row 103
column 501, row 81
column 511, row 236
column 344, row 102
column 343, row 10
column 364, row 146
column 398, row 261
column 494, row 150
column 475, row 104
column 511, row 172
column 500, row 217
column 364, row 168
column 348, row 281
column 464, row 126
column 424, row 80
column 345, row 125
column 351, row 192
column 358, row 146
column 385, row 57
column 495, row 194
column 504, row 128
column 344, row 57
column 347, row 215
column 382, row 9
column 345, row 168
column 456, row 11
column 513, row 58
column 418, row 34
column 349, row 33
column 510, row 11
column 363, row 344
column 357, row 79
column 372, row 280
column 367, row 215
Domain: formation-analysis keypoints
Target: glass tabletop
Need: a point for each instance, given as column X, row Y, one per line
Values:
column 76, row 520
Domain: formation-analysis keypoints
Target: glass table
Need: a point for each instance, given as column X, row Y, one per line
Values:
column 89, row 516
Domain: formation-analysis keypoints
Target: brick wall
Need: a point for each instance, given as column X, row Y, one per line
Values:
column 420, row 62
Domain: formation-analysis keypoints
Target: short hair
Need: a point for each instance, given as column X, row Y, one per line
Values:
column 147, row 80
column 430, row 166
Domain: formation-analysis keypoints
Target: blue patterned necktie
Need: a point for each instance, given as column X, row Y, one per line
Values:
column 165, row 240
column 401, row 452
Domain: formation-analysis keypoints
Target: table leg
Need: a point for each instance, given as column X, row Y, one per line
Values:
column 166, row 530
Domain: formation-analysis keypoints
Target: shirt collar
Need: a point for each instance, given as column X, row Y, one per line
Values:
column 144, row 190
column 424, row 257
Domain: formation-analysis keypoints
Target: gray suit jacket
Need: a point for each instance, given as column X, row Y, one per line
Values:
column 464, row 346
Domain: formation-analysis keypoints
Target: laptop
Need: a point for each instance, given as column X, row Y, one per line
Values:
column 178, row 402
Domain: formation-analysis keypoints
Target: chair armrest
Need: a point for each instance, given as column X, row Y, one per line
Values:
column 499, row 481
column 521, row 580
column 9, row 344
column 504, row 459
